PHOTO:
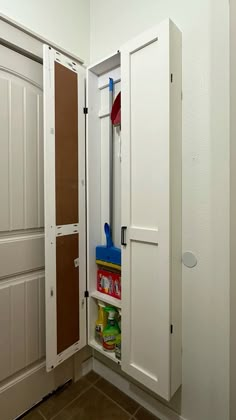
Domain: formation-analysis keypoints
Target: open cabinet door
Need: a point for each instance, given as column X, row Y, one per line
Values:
column 151, row 208
column 65, row 227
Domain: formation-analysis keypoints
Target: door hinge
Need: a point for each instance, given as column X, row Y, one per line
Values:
column 85, row 110
column 171, row 329
column 86, row 294
column 171, row 77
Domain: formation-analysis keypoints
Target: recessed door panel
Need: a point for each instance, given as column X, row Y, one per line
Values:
column 66, row 144
column 148, row 158
column 67, row 291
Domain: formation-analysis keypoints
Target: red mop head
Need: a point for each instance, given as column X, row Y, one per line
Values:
column 116, row 111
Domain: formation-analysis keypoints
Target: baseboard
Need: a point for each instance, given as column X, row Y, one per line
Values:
column 87, row 366
column 82, row 363
column 147, row 401
column 25, row 390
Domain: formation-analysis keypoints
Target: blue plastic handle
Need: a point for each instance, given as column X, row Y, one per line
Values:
column 107, row 231
column 111, row 84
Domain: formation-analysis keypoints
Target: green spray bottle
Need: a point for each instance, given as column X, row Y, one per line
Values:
column 111, row 331
column 118, row 338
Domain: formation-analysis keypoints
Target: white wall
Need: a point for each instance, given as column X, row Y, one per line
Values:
column 65, row 23
column 205, row 26
column 233, row 210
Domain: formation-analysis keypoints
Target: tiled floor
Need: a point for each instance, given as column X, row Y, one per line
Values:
column 91, row 398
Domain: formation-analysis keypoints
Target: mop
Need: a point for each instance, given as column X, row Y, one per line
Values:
column 108, row 255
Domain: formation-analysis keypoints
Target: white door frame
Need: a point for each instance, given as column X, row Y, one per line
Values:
column 232, row 210
column 27, row 42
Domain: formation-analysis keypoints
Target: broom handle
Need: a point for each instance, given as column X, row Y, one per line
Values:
column 111, row 86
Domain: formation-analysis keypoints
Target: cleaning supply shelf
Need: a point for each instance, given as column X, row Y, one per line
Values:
column 100, row 349
column 106, row 298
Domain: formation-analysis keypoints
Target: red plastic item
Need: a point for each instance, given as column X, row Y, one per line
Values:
column 116, row 110
column 109, row 283
column 117, row 120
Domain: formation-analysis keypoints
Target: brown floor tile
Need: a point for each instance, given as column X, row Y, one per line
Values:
column 119, row 397
column 61, row 398
column 33, row 415
column 143, row 414
column 92, row 376
column 92, row 405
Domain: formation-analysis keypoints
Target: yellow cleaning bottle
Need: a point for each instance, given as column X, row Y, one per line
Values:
column 100, row 323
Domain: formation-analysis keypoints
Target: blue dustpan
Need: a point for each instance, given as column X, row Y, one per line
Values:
column 108, row 253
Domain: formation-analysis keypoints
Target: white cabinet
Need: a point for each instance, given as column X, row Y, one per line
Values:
column 151, row 207
column 147, row 204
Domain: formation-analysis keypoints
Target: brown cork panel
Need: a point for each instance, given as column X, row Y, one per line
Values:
column 67, row 291
column 66, row 145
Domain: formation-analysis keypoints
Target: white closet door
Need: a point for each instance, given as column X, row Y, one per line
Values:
column 65, row 227
column 146, row 202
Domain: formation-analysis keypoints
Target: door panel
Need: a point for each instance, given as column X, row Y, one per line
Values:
column 21, row 216
column 142, row 352
column 21, row 157
column 64, row 125
column 146, row 209
column 17, row 155
column 22, row 322
column 5, row 333
column 146, row 130
column 67, row 291
column 4, row 162
column 31, row 155
column 28, row 252
column 66, row 145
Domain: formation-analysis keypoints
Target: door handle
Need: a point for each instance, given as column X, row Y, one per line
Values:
column 123, row 236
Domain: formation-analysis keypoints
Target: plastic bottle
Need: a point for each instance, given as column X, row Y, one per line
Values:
column 100, row 323
column 119, row 318
column 118, row 338
column 111, row 331
column 118, row 346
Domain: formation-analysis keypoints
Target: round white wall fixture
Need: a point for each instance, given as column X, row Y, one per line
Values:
column 189, row 259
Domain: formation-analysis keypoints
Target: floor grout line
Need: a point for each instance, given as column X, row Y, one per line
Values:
column 109, row 398
column 98, row 379
column 67, row 405
column 41, row 414
column 95, row 386
column 90, row 385
column 133, row 416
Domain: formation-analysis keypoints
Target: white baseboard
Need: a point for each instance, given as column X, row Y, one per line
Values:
column 82, row 363
column 87, row 366
column 151, row 404
column 25, row 390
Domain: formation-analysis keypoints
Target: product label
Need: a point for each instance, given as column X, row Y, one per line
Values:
column 109, row 338
column 109, row 283
column 109, row 342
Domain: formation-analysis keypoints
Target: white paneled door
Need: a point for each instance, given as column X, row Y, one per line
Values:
column 151, row 208
column 22, row 322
